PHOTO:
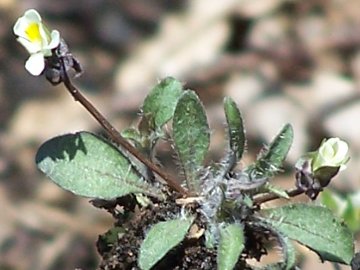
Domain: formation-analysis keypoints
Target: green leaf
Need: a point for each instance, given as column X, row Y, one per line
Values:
column 271, row 159
column 317, row 228
column 287, row 248
column 289, row 252
column 191, row 136
column 230, row 246
column 89, row 166
column 160, row 103
column 289, row 255
column 132, row 134
column 235, row 128
column 161, row 238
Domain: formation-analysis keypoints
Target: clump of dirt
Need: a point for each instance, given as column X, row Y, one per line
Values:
column 122, row 253
column 190, row 254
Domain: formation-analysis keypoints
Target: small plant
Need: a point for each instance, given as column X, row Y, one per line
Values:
column 215, row 219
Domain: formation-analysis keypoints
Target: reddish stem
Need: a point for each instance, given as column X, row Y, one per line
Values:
column 116, row 136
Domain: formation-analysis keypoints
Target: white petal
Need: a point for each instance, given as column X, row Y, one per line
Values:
column 55, row 39
column 20, row 27
column 32, row 15
column 35, row 64
column 45, row 35
column 327, row 150
column 333, row 142
column 31, row 47
column 342, row 151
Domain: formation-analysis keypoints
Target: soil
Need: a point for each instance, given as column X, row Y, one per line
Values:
column 190, row 254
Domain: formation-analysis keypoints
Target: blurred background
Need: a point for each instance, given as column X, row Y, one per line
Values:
column 281, row 60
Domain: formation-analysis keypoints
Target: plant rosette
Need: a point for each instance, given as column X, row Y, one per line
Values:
column 36, row 39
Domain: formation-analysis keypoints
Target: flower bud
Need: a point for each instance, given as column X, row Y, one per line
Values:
column 315, row 170
column 332, row 153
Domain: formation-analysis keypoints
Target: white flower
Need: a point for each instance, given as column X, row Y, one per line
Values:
column 36, row 39
column 332, row 153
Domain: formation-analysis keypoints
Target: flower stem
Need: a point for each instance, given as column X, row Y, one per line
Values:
column 266, row 197
column 116, row 136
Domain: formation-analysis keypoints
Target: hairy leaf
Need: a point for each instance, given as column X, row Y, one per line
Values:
column 191, row 136
column 89, row 166
column 317, row 228
column 161, row 238
column 160, row 103
column 271, row 159
column 235, row 128
column 289, row 254
column 287, row 248
column 288, row 251
column 230, row 246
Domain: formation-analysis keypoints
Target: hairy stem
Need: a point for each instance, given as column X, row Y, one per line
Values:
column 116, row 136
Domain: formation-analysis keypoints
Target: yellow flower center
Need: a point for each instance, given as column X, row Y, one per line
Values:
column 33, row 32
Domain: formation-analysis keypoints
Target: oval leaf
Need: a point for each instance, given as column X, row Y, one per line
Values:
column 230, row 246
column 235, row 128
column 89, row 166
column 315, row 227
column 271, row 158
column 161, row 238
column 159, row 105
column 191, row 136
